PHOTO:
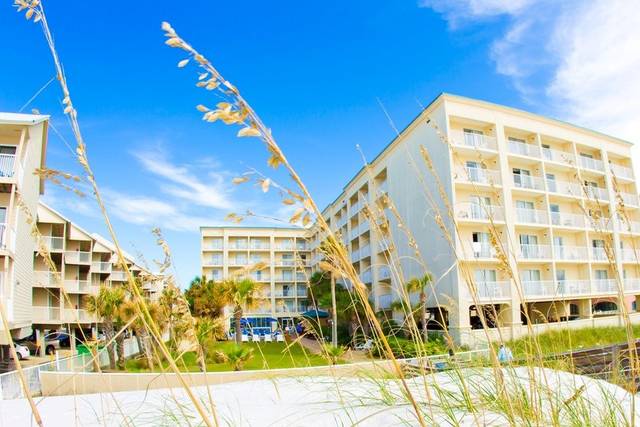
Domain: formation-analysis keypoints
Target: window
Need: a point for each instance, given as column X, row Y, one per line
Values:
column 551, row 182
column 531, row 275
column 480, row 207
column 485, row 275
column 481, row 246
column 473, row 137
column 522, row 178
column 546, row 151
column 555, row 214
column 601, row 274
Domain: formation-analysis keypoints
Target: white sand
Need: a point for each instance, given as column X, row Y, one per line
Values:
column 316, row 402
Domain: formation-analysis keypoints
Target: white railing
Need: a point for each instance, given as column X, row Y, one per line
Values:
column 213, row 261
column 384, row 301
column 629, row 199
column 101, row 267
column 600, row 224
column 523, row 149
column 7, row 162
column 564, row 187
column 259, row 244
column 77, row 286
column 77, row 257
column 531, row 216
column 479, row 175
column 589, row 163
column 596, row 193
column 7, row 237
column 384, row 272
column 284, row 245
column 53, row 243
column 238, row 244
column 491, row 291
column 383, row 245
column 355, row 255
column 604, row 286
column 238, row 261
column 261, row 277
column 631, row 285
column 355, row 232
column 480, row 212
column 45, row 313
column 567, row 219
column 118, row 276
column 626, row 227
column 45, row 278
column 365, row 251
column 598, row 254
column 479, row 141
column 621, row 171
column 528, row 182
column 570, row 253
column 471, row 250
column 535, row 251
column 366, row 277
column 630, row 255
column 550, row 288
column 72, row 315
column 286, row 263
column 558, row 156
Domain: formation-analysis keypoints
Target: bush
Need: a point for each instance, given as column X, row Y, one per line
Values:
column 404, row 348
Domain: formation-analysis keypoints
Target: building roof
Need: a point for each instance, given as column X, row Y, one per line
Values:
column 253, row 227
column 21, row 119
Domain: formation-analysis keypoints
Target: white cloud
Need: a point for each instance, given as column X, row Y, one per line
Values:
column 576, row 60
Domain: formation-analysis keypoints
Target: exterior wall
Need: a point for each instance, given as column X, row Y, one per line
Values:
column 285, row 277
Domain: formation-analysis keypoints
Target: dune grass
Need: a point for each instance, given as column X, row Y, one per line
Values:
column 265, row 356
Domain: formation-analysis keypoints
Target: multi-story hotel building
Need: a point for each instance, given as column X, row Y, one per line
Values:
column 555, row 195
column 285, row 252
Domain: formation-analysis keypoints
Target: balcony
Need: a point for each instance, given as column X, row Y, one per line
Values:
column 628, row 227
column 383, row 245
column 629, row 199
column 259, row 245
column 384, row 273
column 523, row 149
column 476, row 250
column 531, row 216
column 365, row 251
column 53, row 243
column 77, row 286
column 632, row 285
column 213, row 261
column 100, row 267
column 72, row 315
column 529, row 182
column 303, row 246
column 551, row 155
column 596, row 193
column 45, row 314
column 492, row 291
column 366, row 277
column 630, row 255
column 213, row 246
column 592, row 164
column 118, row 276
column 478, row 176
column 384, row 301
column 563, row 187
column 620, row 171
column 600, row 224
column 599, row 254
column 554, row 289
column 535, row 251
column 240, row 262
column 7, row 162
column 77, row 257
column 285, row 263
column 480, row 212
column 604, row 286
column 284, row 246
column 475, row 140
column 355, row 255
column 561, row 219
column 45, row 279
column 570, row 253
column 7, row 237
column 238, row 245
column 263, row 277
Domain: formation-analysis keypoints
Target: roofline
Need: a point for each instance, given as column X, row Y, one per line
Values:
column 22, row 119
column 256, row 227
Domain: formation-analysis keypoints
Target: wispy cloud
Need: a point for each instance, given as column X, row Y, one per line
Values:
column 574, row 59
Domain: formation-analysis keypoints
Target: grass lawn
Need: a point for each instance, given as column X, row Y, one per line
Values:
column 561, row 341
column 265, row 356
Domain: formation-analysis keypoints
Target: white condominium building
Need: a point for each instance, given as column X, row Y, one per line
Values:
column 23, row 140
column 285, row 252
column 561, row 200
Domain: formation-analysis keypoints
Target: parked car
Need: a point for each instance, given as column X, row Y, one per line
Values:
column 51, row 343
column 22, row 351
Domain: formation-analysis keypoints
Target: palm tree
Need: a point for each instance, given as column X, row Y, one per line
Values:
column 204, row 298
column 333, row 353
column 419, row 284
column 106, row 306
column 239, row 293
column 237, row 356
column 207, row 332
column 131, row 311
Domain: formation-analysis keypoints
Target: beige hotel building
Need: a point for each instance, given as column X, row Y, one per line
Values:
column 556, row 196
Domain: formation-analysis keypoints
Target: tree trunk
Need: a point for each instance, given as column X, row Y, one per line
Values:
column 108, row 334
column 237, row 314
column 120, row 343
column 146, row 347
column 423, row 308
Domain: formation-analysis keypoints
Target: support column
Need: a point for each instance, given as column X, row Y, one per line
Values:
column 72, row 343
column 40, row 341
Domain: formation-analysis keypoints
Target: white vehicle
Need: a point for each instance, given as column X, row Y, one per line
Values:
column 22, row 351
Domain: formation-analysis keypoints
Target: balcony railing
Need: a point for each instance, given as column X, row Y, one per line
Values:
column 632, row 285
column 258, row 244
column 365, row 251
column 563, row 219
column 238, row 244
column 77, row 286
column 53, row 243
column 366, row 277
column 480, row 212
column 604, row 286
column 101, row 267
column 215, row 245
column 529, row 182
column 535, row 251
column 384, row 301
column 384, row 273
column 471, row 250
column 479, row 141
column 531, row 216
column 626, row 227
column 564, row 187
column 570, row 253
column 45, row 314
column 45, row 279
column 77, row 257
column 260, row 277
column 523, row 149
column 621, row 171
column 213, row 261
column 118, row 276
column 286, row 263
column 7, row 237
column 355, row 255
column 7, row 162
column 550, row 288
column 598, row 254
column 558, row 156
column 383, row 245
column 629, row 199
column 478, row 175
column 630, row 255
column 600, row 224
column 239, row 261
column 596, row 193
column 491, row 291
column 73, row 315
column 589, row 163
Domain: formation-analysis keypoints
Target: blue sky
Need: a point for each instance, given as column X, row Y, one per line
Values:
column 313, row 72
